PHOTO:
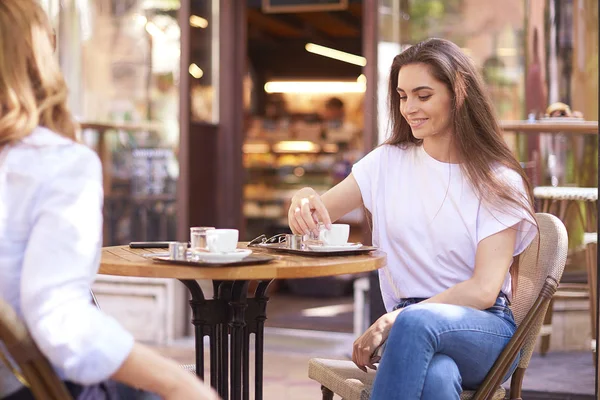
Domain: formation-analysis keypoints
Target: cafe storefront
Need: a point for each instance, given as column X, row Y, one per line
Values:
column 168, row 92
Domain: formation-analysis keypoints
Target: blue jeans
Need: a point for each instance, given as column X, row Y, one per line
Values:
column 435, row 350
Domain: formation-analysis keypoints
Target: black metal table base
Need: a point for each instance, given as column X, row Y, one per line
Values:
column 228, row 319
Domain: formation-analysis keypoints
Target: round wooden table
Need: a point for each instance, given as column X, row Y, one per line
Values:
column 230, row 311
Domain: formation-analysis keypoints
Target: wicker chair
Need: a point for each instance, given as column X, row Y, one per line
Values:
column 559, row 201
column 590, row 241
column 33, row 369
column 537, row 281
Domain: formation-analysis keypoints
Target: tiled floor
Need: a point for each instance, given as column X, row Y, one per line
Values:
column 568, row 375
column 285, row 373
column 322, row 328
column 556, row 376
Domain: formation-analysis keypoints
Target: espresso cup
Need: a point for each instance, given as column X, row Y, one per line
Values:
column 222, row 240
column 336, row 236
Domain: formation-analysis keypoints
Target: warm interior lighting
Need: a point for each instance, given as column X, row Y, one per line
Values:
column 315, row 87
column 299, row 172
column 336, row 54
column 256, row 148
column 296, row 146
column 198, row 22
column 164, row 5
column 506, row 52
column 196, row 71
column 362, row 79
column 330, row 148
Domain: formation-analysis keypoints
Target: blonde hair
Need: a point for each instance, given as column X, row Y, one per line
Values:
column 33, row 91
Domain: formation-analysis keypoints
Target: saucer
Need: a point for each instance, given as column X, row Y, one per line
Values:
column 555, row 120
column 233, row 256
column 329, row 247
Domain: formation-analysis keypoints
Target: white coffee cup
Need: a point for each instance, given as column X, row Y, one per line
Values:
column 336, row 236
column 222, row 240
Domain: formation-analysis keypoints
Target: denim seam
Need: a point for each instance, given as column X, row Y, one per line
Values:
column 424, row 376
column 475, row 330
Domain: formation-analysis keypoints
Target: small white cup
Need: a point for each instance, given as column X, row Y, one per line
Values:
column 336, row 236
column 222, row 240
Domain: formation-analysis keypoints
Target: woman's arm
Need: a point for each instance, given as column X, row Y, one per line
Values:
column 492, row 261
column 144, row 368
column 60, row 263
column 308, row 207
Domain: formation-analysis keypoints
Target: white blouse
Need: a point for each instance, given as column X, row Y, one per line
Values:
column 50, row 240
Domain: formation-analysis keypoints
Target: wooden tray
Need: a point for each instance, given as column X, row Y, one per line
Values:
column 281, row 248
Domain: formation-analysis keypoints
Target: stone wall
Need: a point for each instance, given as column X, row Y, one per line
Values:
column 155, row 310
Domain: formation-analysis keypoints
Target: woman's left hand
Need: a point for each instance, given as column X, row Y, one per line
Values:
column 366, row 345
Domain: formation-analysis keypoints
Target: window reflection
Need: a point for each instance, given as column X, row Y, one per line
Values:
column 491, row 35
column 121, row 62
column 204, row 62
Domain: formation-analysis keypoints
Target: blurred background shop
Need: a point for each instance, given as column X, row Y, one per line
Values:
column 213, row 112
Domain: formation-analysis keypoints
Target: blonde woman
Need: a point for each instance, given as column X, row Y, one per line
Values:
column 50, row 227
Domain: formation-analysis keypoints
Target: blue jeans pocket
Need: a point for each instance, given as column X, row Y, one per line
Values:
column 501, row 309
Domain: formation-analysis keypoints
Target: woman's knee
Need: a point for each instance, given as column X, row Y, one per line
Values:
column 411, row 328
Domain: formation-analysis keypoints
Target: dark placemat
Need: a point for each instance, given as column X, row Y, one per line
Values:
column 280, row 248
column 252, row 259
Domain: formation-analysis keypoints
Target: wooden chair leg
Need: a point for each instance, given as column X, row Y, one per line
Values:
column 516, row 382
column 546, row 330
column 591, row 266
column 327, row 394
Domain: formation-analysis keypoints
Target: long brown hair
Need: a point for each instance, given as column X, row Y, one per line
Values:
column 32, row 89
column 476, row 132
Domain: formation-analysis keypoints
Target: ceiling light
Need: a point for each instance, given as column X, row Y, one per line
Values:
column 196, row 71
column 336, row 54
column 315, row 87
column 198, row 22
column 256, row 148
column 296, row 146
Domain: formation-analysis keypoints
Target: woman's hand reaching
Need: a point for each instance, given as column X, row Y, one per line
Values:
column 363, row 352
column 306, row 210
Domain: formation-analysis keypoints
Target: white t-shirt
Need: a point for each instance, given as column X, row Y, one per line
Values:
column 429, row 221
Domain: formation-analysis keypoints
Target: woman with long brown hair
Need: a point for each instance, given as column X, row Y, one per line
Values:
column 452, row 208
column 50, row 231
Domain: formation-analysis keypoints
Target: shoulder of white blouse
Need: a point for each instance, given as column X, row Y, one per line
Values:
column 55, row 157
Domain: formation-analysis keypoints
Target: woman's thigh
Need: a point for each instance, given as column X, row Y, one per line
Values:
column 472, row 338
